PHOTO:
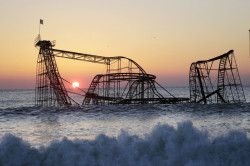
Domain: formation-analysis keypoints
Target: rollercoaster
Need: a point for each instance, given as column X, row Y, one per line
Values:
column 216, row 80
column 126, row 82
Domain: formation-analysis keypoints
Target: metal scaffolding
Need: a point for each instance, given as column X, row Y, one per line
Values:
column 216, row 84
column 125, row 81
column 50, row 89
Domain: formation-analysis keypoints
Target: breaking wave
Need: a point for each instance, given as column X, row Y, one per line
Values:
column 165, row 145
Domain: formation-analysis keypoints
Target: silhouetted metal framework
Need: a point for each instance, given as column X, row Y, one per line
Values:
column 216, row 84
column 50, row 89
column 125, row 81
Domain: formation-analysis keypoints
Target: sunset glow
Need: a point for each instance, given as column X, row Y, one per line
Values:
column 75, row 84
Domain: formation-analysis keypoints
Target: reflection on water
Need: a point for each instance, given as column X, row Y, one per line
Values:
column 47, row 129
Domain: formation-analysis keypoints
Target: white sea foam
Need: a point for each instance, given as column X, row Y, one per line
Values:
column 165, row 145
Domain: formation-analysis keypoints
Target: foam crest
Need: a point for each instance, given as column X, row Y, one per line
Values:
column 165, row 145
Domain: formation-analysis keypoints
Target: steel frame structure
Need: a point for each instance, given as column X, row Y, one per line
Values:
column 125, row 81
column 50, row 90
column 228, row 87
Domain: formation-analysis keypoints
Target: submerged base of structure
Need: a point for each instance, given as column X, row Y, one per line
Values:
column 154, row 101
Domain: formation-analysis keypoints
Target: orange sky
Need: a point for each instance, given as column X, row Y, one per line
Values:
column 163, row 36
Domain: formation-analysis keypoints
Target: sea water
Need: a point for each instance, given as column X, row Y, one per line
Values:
column 179, row 134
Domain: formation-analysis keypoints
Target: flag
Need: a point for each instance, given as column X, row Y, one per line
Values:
column 41, row 21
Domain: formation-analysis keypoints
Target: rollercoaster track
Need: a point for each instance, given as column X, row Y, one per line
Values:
column 125, row 81
column 92, row 58
column 134, row 86
column 228, row 88
column 135, row 78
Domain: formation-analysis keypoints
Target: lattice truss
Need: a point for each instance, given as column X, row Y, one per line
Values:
column 50, row 90
column 125, row 81
column 216, row 80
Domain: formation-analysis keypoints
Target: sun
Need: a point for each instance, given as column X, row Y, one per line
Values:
column 75, row 84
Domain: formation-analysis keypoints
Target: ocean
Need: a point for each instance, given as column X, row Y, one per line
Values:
column 132, row 135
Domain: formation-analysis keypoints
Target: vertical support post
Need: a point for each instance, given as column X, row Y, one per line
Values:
column 142, row 91
column 201, row 86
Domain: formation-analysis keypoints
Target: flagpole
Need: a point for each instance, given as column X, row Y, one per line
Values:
column 39, row 27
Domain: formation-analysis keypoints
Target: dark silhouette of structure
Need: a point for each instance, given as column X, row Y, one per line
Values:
column 125, row 81
column 216, row 84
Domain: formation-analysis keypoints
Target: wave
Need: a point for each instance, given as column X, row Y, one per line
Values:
column 164, row 145
column 184, row 107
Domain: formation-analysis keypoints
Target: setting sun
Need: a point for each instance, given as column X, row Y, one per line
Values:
column 75, row 84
